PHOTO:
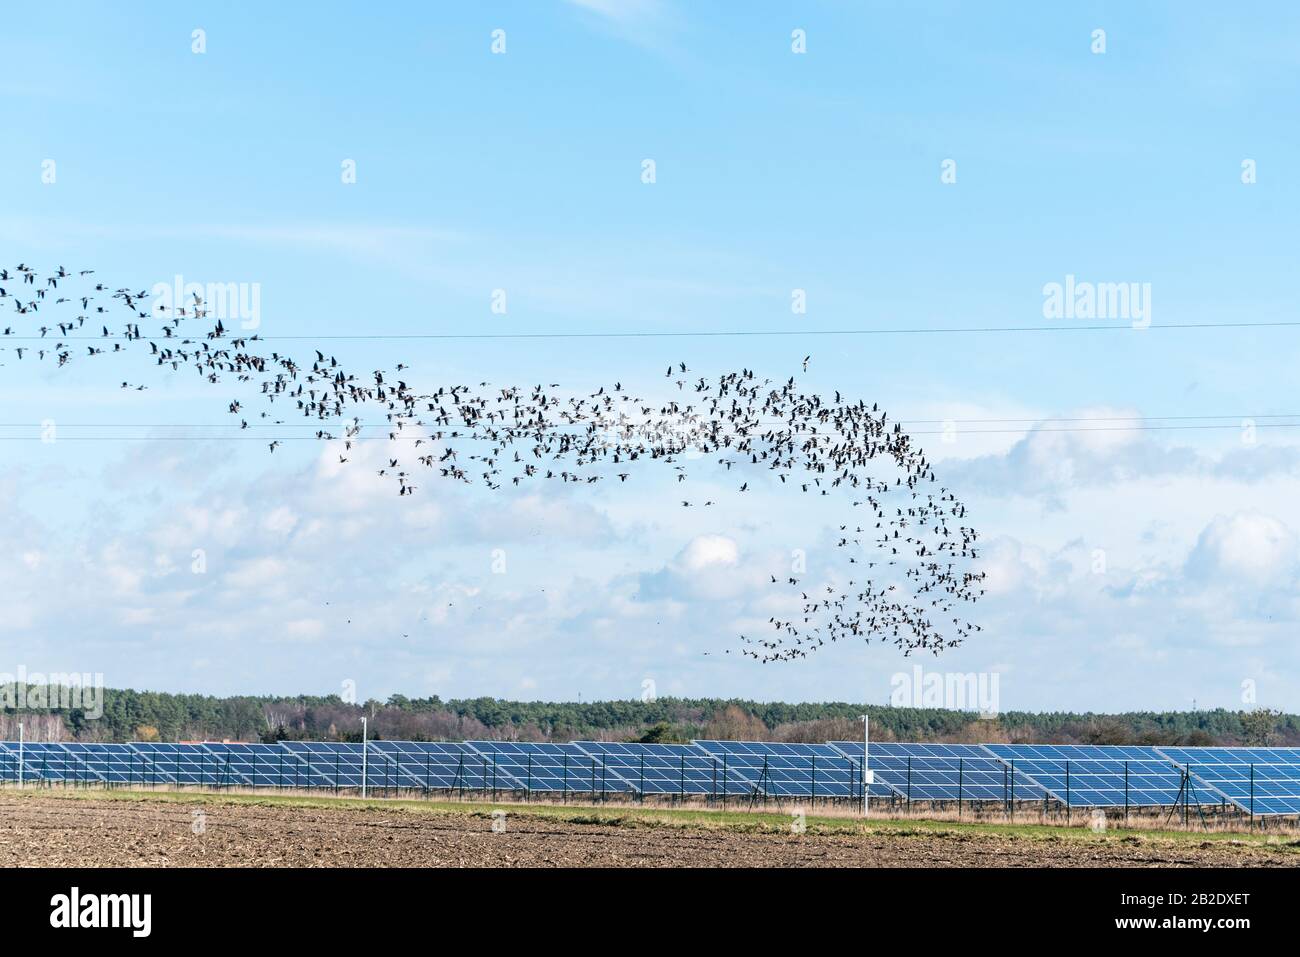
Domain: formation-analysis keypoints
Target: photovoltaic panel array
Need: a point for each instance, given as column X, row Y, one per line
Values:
column 1097, row 775
column 46, row 762
column 852, row 752
column 435, row 765
column 340, row 763
column 670, row 768
column 186, row 764
column 1257, row 780
column 945, row 772
column 29, row 761
column 1262, row 780
column 178, row 764
column 392, row 768
column 266, row 765
column 8, row 761
column 792, row 770
column 115, row 763
column 563, row 768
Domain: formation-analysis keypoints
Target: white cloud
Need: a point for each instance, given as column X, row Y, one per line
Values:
column 1059, row 455
column 282, row 521
column 257, row 574
column 709, row 550
column 1246, row 546
column 304, row 629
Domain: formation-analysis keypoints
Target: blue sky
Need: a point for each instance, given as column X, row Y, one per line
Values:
column 774, row 171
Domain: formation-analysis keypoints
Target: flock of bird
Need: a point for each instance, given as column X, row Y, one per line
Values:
column 908, row 529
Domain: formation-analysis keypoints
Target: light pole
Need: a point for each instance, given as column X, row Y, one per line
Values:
column 363, row 755
column 866, row 762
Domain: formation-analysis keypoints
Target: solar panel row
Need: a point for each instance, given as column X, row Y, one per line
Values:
column 1098, row 775
column 792, row 770
column 670, row 768
column 1258, row 780
column 1262, row 781
column 945, row 772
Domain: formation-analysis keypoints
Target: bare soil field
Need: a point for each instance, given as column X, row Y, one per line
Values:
column 152, row 830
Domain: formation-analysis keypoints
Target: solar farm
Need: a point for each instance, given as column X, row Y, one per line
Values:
column 982, row 779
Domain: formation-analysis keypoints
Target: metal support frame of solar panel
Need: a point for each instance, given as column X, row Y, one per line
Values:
column 557, row 768
column 169, row 763
column 267, row 765
column 669, row 769
column 48, row 762
column 432, row 765
column 1097, row 773
column 1261, row 781
column 945, row 772
column 794, row 770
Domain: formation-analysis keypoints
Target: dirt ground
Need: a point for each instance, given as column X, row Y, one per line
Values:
column 62, row 832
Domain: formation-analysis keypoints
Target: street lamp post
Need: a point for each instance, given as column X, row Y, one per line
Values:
column 866, row 762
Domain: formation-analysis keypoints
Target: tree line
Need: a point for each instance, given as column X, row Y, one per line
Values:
column 129, row 715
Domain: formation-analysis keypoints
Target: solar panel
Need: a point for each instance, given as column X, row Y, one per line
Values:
column 794, row 770
column 47, row 761
column 115, row 763
column 945, row 772
column 1083, row 775
column 267, row 765
column 432, row 765
column 670, row 768
column 166, row 763
column 563, row 768
column 336, row 763
column 1258, row 780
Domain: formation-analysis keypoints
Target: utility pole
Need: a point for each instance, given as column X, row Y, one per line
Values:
column 363, row 755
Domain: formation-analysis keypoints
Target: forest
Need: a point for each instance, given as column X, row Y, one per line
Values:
column 130, row 715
